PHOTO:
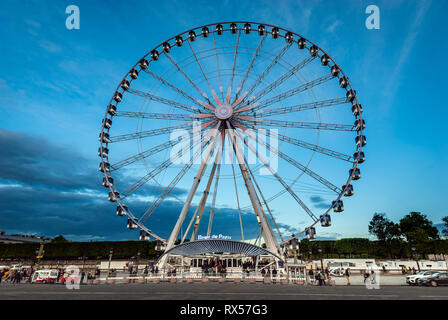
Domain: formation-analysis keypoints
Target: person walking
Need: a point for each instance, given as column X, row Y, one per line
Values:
column 347, row 275
column 311, row 275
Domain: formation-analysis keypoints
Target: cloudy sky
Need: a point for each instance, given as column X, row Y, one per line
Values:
column 55, row 84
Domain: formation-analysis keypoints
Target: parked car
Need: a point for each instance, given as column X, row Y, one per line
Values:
column 412, row 279
column 437, row 279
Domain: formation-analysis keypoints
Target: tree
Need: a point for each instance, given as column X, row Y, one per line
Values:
column 59, row 239
column 417, row 228
column 384, row 230
column 445, row 230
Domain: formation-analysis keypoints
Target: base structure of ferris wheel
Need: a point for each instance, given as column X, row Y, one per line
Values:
column 231, row 115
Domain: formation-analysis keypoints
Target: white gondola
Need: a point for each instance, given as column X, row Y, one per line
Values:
column 131, row 224
column 179, row 41
column 104, row 137
column 233, row 28
column 219, row 29
column 192, row 35
column 325, row 220
column 112, row 109
column 360, row 124
column 351, row 94
column 154, row 55
column 360, row 140
column 301, row 43
column 275, row 32
column 108, row 182
column 144, row 236
column 113, row 196
column 104, row 167
column 205, row 32
column 343, row 82
column 348, row 190
column 103, row 152
column 166, row 47
column 355, row 173
column 314, row 50
column 122, row 210
column 125, row 84
column 338, row 205
column 133, row 74
column 107, row 123
column 144, row 64
column 247, row 28
column 311, row 233
column 357, row 109
column 335, row 71
column 118, row 96
column 325, row 59
column 359, row 156
column 261, row 30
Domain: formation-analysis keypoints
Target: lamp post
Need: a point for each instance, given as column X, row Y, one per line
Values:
column 111, row 252
column 321, row 263
column 414, row 249
column 137, row 261
column 294, row 246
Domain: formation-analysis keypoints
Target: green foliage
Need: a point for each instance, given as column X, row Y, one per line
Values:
column 445, row 230
column 417, row 228
column 59, row 239
column 74, row 250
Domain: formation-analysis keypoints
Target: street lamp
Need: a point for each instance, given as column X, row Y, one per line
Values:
column 321, row 263
column 294, row 246
column 111, row 252
column 414, row 249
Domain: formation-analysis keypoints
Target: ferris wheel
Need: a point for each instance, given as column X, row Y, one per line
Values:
column 278, row 127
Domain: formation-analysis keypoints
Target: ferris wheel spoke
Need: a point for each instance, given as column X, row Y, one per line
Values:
column 202, row 93
column 249, row 69
column 229, row 89
column 277, row 176
column 215, row 97
column 164, row 165
column 164, row 101
column 281, row 79
column 263, row 198
column 152, row 151
column 282, row 96
column 149, row 133
column 217, row 65
column 265, row 72
column 163, row 116
column 296, row 124
column 298, row 108
column 199, row 102
column 317, row 148
column 292, row 161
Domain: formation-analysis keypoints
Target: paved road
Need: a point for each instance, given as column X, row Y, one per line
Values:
column 214, row 291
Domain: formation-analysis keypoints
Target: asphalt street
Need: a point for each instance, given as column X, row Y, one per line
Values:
column 216, row 291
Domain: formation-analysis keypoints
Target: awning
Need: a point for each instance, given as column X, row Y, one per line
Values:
column 218, row 246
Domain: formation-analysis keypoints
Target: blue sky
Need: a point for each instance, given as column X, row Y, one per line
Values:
column 55, row 84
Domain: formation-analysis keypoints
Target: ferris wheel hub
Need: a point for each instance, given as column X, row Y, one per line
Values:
column 224, row 111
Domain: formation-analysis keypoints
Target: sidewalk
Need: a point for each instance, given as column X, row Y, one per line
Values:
column 383, row 280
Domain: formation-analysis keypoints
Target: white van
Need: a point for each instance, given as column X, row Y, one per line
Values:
column 45, row 276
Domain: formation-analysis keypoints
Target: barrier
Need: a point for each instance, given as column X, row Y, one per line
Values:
column 205, row 279
column 267, row 280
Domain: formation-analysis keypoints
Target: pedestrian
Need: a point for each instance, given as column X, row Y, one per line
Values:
column 311, row 275
column 327, row 272
column 274, row 275
column 372, row 277
column 83, row 275
column 366, row 275
column 347, row 275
